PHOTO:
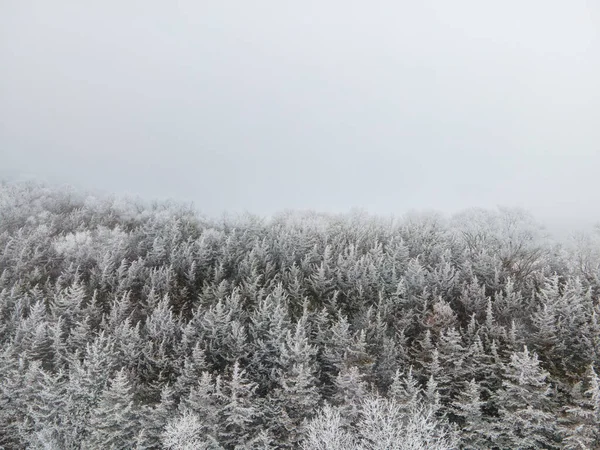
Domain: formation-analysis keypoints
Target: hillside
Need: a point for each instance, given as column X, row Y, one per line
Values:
column 130, row 325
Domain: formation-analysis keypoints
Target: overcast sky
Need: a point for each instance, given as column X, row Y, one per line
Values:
column 328, row 105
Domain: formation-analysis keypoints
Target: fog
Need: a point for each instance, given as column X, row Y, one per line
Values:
column 327, row 105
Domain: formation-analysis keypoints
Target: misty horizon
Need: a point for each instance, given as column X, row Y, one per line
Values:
column 388, row 108
column 560, row 232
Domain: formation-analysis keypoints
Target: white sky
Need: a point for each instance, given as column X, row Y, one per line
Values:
column 328, row 105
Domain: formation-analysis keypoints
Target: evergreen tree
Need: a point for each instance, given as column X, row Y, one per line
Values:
column 405, row 390
column 115, row 420
column 350, row 391
column 238, row 413
column 582, row 430
column 545, row 336
column 47, row 413
column 296, row 396
column 204, row 401
column 184, row 432
column 453, row 371
column 154, row 419
column 525, row 405
column 383, row 425
column 432, row 395
column 194, row 366
column 327, row 432
column 467, row 412
column 269, row 326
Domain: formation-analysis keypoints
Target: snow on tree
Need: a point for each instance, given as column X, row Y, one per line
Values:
column 405, row 390
column 115, row 420
column 327, row 432
column 238, row 413
column 184, row 432
column 582, row 429
column 525, row 405
column 468, row 413
column 145, row 326
column 382, row 425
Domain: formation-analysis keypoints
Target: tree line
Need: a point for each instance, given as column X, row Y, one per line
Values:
column 129, row 325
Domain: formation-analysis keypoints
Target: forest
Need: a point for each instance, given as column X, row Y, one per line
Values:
column 126, row 324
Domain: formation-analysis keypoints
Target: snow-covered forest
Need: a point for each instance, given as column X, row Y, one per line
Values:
column 126, row 325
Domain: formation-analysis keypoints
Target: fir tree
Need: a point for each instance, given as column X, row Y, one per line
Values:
column 204, row 401
column 296, row 396
column 405, row 390
column 467, row 412
column 115, row 420
column 525, row 404
column 154, row 419
column 238, row 413
column 184, row 432
column 582, row 430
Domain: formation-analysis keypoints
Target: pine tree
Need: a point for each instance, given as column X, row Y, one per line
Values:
column 467, row 412
column 487, row 369
column 88, row 377
column 268, row 330
column 405, row 390
column 545, row 336
column 79, row 335
column 115, row 420
column 223, row 333
column 130, row 346
column 338, row 340
column 452, row 356
column 68, row 303
column 525, row 405
column 204, row 401
column 296, row 396
column 13, row 405
column 432, row 395
column 383, row 425
column 154, row 419
column 326, row 431
column 238, row 413
column 184, row 432
column 60, row 351
column 49, row 413
column 576, row 334
column 423, row 350
column 193, row 367
column 582, row 431
column 32, row 336
column 161, row 333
